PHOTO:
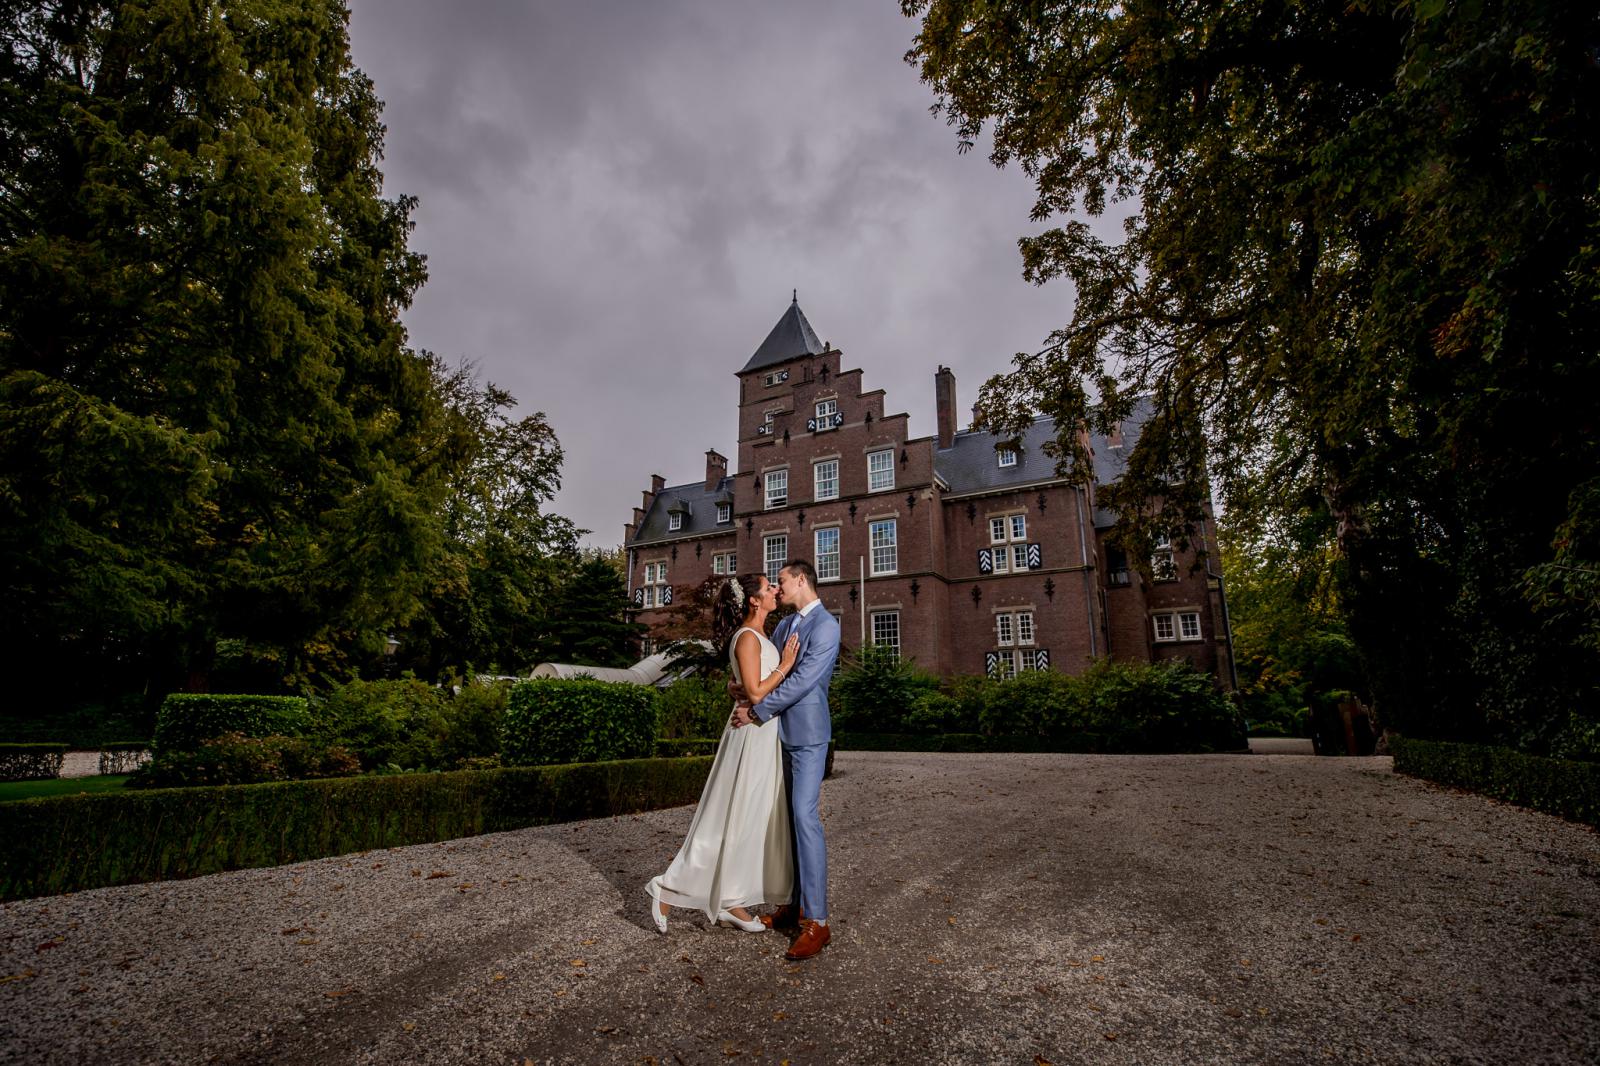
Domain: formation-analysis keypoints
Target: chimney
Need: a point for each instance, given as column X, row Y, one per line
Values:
column 657, row 483
column 716, row 469
column 944, row 397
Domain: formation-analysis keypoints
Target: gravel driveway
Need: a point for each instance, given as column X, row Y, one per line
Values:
column 987, row 908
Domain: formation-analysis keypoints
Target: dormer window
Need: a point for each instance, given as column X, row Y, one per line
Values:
column 675, row 520
column 724, row 513
column 1007, row 457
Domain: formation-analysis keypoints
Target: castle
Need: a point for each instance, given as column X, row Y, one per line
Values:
column 948, row 549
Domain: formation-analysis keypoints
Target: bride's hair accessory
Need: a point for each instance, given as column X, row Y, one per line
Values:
column 738, row 591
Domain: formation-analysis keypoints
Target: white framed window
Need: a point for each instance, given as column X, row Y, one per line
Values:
column 825, row 477
column 1019, row 527
column 1165, row 631
column 997, row 531
column 725, row 563
column 776, row 377
column 885, row 547
column 675, row 520
column 1008, row 534
column 827, row 541
column 1024, row 627
column 724, row 513
column 886, row 630
column 1163, row 566
column 775, row 553
column 880, row 470
column 1029, row 659
column 826, row 410
column 1013, row 628
column 1007, row 457
column 777, row 488
column 1004, row 634
column 655, row 585
column 1019, row 556
column 1189, row 625
column 1005, row 663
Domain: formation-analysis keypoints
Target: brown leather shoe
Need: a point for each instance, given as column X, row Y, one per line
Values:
column 812, row 939
column 787, row 916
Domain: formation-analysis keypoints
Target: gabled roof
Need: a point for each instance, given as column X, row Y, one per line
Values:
column 791, row 337
column 697, row 505
column 971, row 464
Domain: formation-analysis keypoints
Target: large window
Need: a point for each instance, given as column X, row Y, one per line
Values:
column 1009, row 535
column 1013, row 628
column 657, row 593
column 880, row 470
column 827, row 554
column 826, row 410
column 1176, row 626
column 1163, row 567
column 725, row 563
column 775, row 553
column 826, row 477
column 777, row 488
column 886, row 630
column 885, row 547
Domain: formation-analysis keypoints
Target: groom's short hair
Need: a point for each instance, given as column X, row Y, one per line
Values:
column 801, row 568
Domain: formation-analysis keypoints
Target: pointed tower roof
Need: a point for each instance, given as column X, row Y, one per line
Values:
column 792, row 336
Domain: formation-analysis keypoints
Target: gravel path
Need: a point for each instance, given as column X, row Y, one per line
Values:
column 987, row 908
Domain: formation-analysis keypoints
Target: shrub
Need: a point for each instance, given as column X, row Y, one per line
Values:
column 123, row 756
column 1159, row 707
column 1563, row 787
column 935, row 712
column 72, row 843
column 667, row 748
column 877, row 689
column 188, row 719
column 559, row 721
column 235, row 759
column 695, row 707
column 1034, row 703
column 400, row 724
column 473, row 720
column 31, row 762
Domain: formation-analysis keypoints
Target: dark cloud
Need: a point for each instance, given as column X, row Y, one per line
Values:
column 617, row 198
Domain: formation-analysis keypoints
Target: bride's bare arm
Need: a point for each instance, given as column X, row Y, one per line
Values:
column 748, row 654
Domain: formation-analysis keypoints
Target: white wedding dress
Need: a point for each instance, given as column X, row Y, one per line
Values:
column 738, row 852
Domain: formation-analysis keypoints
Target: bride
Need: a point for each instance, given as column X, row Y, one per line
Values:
column 738, row 853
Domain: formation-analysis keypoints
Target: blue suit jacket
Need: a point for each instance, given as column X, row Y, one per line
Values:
column 801, row 700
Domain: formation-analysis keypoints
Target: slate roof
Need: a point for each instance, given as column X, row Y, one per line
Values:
column 971, row 464
column 792, row 336
column 698, row 505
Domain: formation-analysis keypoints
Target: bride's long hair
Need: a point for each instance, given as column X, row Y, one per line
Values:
column 729, row 609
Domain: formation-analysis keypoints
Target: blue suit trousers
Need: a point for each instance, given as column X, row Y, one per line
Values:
column 802, row 777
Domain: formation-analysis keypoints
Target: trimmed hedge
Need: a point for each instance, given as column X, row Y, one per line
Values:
column 558, row 721
column 31, row 762
column 71, row 843
column 1563, row 787
column 123, row 756
column 188, row 719
column 670, row 748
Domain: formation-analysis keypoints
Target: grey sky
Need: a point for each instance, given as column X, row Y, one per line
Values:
column 617, row 198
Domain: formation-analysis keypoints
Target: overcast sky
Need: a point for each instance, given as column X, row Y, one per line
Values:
column 617, row 198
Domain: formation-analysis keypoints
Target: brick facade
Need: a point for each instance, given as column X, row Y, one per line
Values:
column 939, row 497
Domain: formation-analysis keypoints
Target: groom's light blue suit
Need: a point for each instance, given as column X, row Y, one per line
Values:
column 805, row 726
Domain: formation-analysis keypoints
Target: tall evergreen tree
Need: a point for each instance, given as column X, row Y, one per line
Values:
column 591, row 621
column 209, row 423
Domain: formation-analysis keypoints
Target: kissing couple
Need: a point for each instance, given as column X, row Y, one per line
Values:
column 756, row 837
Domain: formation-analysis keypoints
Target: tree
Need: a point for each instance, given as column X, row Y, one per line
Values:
column 505, row 555
column 1362, row 284
column 209, row 423
column 590, row 623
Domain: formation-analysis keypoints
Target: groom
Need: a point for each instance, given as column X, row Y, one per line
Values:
column 801, row 699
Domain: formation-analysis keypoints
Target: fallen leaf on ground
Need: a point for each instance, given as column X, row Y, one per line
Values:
column 440, row 873
column 935, row 961
column 1040, row 1060
column 305, row 940
column 408, row 1026
column 577, row 962
column 697, row 979
column 1109, row 1036
column 1234, row 1012
column 1097, row 958
column 291, row 931
column 338, row 992
column 23, row 976
column 498, row 977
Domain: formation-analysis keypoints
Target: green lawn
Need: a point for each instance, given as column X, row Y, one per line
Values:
column 60, row 786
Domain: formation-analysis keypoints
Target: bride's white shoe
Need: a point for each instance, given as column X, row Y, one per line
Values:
column 752, row 926
column 653, row 892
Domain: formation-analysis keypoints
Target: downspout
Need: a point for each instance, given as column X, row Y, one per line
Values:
column 1088, row 574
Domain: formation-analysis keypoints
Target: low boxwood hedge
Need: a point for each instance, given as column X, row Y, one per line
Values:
column 1563, row 787
column 188, row 719
column 31, row 762
column 558, row 721
column 71, row 843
